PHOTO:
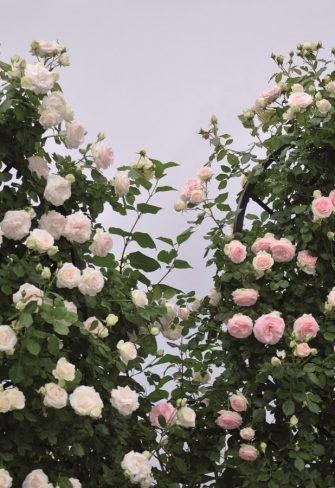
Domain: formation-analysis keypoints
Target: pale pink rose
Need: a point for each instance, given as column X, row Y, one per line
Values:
column 139, row 298
column 54, row 110
column 197, row 196
column 77, row 227
column 44, row 48
column 323, row 106
column 95, row 329
column 298, row 101
column 165, row 410
column 332, row 197
column 245, row 297
column 16, row 224
column 259, row 105
column 38, row 79
column 240, row 326
column 85, row 400
column 54, row 396
column 75, row 135
column 4, row 403
column 16, row 399
column 36, row 479
column 186, row 417
column 127, row 351
column 305, row 327
column 8, row 338
column 205, row 173
column 263, row 261
column 28, row 293
column 331, row 297
column 235, row 251
column 103, row 155
column 183, row 313
column 263, row 243
column 75, row 483
column 64, row 370
column 54, row 223
column 91, row 282
column 247, row 434
column 271, row 93
column 57, row 190
column 121, row 184
column 214, row 297
column 68, row 276
column 330, row 87
column 282, row 250
column 102, row 243
column 137, row 467
column 228, row 420
column 302, row 350
column 269, row 328
column 248, row 453
column 238, row 402
column 6, row 480
column 39, row 166
column 124, row 400
column 307, row 262
column 70, row 307
column 322, row 207
column 190, row 185
column 179, row 205
column 40, row 240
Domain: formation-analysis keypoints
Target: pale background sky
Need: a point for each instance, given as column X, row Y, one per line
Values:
column 150, row 73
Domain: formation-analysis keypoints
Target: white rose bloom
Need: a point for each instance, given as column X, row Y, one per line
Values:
column 53, row 222
column 16, row 399
column 186, row 417
column 124, row 400
column 98, row 330
column 121, row 184
column 68, row 276
column 36, row 479
column 102, row 243
column 64, row 370
column 127, row 351
column 38, row 79
column 75, row 134
column 57, row 190
column 214, row 297
column 86, row 401
column 44, row 48
column 6, row 480
column 28, row 293
column 54, row 396
column 137, row 466
column 75, row 483
column 16, row 224
column 139, row 298
column 8, row 338
column 40, row 240
column 4, row 402
column 77, row 227
column 39, row 166
column 91, row 282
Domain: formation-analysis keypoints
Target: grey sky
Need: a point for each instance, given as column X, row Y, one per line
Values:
column 150, row 73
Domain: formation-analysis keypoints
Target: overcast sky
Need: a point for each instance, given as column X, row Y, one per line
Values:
column 150, row 73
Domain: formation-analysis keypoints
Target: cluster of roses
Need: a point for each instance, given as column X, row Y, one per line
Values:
column 231, row 419
column 35, row 479
column 194, row 191
column 11, row 399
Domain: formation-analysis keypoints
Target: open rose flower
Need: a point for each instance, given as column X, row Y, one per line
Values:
column 121, row 184
column 214, row 297
column 124, row 400
column 38, row 79
column 68, row 276
column 228, row 420
column 54, row 396
column 39, row 166
column 28, row 293
column 95, row 327
column 205, row 173
column 269, row 328
column 186, row 417
column 77, row 227
column 248, row 453
column 85, row 400
column 322, row 207
column 44, row 48
column 240, row 326
column 74, row 135
column 102, row 154
column 91, row 282
column 64, row 371
column 282, row 250
column 238, row 402
column 306, row 262
column 127, row 351
column 40, row 240
column 302, row 350
column 190, row 185
column 36, row 479
column 262, row 262
column 5, row 479
column 57, row 190
column 139, row 298
column 235, row 251
column 54, row 223
column 16, row 224
column 245, row 297
column 263, row 243
column 137, row 467
column 247, row 434
column 165, row 410
column 299, row 101
column 306, row 327
column 102, row 243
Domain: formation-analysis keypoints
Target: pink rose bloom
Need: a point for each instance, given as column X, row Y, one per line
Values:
column 228, row 420
column 165, row 410
column 75, row 134
column 5, row 478
column 54, row 223
column 103, row 155
column 183, row 313
column 39, row 166
column 95, row 328
column 322, row 207
column 248, row 453
column 245, row 297
column 91, row 282
column 307, row 262
column 299, row 101
column 247, row 434
column 271, row 93
column 269, row 328
column 205, row 173
column 323, row 106
column 282, row 250
column 54, row 396
column 263, row 243
column 188, row 187
column 197, row 196
column 40, row 240
column 77, row 227
column 102, row 243
column 57, row 190
column 36, row 479
column 304, row 326
column 28, row 293
column 240, row 326
column 236, row 251
column 16, row 224
column 68, row 276
column 238, row 402
column 121, row 184
column 302, row 350
column 263, row 261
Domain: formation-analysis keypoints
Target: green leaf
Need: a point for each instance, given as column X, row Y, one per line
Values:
column 141, row 261
column 167, row 256
column 181, row 264
column 288, row 407
column 165, row 188
column 144, row 240
column 60, row 329
column 146, row 208
column 167, row 240
column 33, row 347
column 26, row 319
column 184, row 236
column 119, row 232
column 299, row 464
